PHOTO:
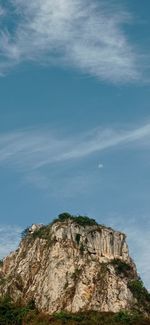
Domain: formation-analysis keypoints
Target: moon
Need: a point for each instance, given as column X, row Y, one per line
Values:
column 100, row 166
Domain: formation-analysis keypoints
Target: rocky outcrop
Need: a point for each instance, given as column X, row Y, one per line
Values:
column 70, row 266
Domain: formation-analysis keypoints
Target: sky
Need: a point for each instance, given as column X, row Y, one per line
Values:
column 75, row 117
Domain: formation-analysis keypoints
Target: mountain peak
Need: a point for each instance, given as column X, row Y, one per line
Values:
column 73, row 264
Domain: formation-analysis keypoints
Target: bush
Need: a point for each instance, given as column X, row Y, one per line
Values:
column 122, row 267
column 14, row 314
column 81, row 220
column 44, row 231
column 66, row 316
column 126, row 318
column 11, row 314
column 25, row 233
column 85, row 221
column 64, row 216
column 139, row 291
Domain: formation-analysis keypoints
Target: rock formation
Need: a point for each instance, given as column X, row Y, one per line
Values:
column 73, row 264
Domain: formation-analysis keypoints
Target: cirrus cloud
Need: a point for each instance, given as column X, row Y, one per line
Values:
column 86, row 36
column 33, row 149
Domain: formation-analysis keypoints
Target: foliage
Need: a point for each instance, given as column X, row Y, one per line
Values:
column 85, row 221
column 44, row 231
column 64, row 216
column 66, row 316
column 140, row 293
column 13, row 314
column 122, row 267
column 25, row 232
column 126, row 317
column 81, row 220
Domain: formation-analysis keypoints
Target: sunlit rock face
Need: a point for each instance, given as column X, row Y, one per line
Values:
column 68, row 266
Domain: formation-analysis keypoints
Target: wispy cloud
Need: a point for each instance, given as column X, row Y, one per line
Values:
column 33, row 149
column 80, row 34
column 9, row 239
column 2, row 11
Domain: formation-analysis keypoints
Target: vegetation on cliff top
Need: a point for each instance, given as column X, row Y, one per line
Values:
column 11, row 314
column 81, row 220
column 44, row 231
column 17, row 314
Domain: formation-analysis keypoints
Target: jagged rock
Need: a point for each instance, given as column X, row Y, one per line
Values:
column 34, row 228
column 68, row 266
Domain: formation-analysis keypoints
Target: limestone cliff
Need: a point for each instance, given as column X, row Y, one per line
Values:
column 71, row 265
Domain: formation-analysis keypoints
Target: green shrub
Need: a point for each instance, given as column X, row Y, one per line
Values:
column 63, row 315
column 14, row 314
column 67, row 317
column 126, row 317
column 64, row 216
column 139, row 291
column 25, row 232
column 85, row 221
column 43, row 232
column 122, row 267
column 81, row 220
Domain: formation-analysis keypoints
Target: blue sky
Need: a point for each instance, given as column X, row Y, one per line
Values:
column 74, row 117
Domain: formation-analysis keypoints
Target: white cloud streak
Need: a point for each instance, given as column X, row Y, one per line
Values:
column 80, row 34
column 33, row 149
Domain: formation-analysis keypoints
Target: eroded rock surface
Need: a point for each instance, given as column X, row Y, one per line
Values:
column 67, row 266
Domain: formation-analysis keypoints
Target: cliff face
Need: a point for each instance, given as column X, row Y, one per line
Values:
column 68, row 266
